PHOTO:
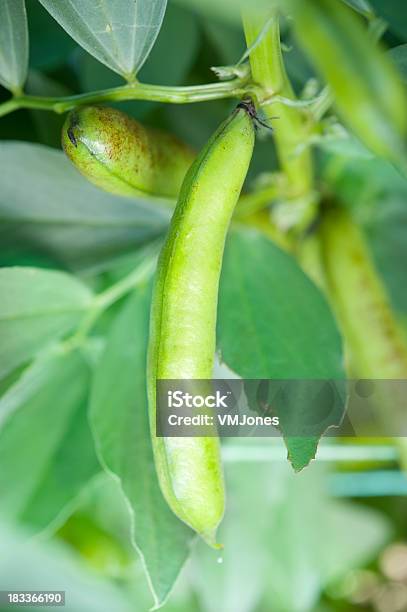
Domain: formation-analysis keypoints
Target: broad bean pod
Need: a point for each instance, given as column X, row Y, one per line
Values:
column 367, row 90
column 374, row 338
column 121, row 156
column 183, row 315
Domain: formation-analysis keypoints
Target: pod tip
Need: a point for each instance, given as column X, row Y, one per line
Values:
column 210, row 538
column 71, row 124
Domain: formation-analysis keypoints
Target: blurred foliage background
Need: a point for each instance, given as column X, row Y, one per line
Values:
column 332, row 538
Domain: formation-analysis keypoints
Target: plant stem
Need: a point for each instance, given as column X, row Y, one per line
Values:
column 235, row 88
column 263, row 221
column 141, row 273
column 250, row 203
column 269, row 74
column 105, row 299
column 322, row 104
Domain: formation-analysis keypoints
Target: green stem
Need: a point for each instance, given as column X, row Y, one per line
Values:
column 269, row 73
column 250, row 203
column 137, row 276
column 105, row 299
column 235, row 88
column 322, row 104
column 9, row 107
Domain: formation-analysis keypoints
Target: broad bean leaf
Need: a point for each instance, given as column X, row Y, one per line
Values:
column 167, row 64
column 362, row 6
column 36, row 307
column 394, row 13
column 327, row 549
column 46, row 203
column 48, row 124
column 118, row 33
column 228, row 40
column 31, row 563
column 275, row 324
column 13, row 44
column 296, row 540
column 228, row 10
column 104, row 504
column 46, row 450
column 119, row 420
column 50, row 51
column 399, row 57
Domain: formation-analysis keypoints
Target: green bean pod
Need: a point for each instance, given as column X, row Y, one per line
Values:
column 375, row 340
column 367, row 90
column 183, row 316
column 121, row 156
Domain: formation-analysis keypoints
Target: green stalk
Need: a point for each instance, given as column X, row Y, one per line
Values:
column 142, row 272
column 269, row 73
column 253, row 202
column 235, row 88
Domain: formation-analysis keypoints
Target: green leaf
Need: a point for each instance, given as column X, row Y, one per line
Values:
column 304, row 560
column 394, row 12
column 228, row 41
column 295, row 539
column 46, row 450
column 48, row 124
column 399, row 57
column 13, row 44
column 119, row 34
column 119, row 420
column 345, row 145
column 270, row 307
column 50, row 51
column 31, row 564
column 227, row 10
column 167, row 64
column 37, row 307
column 362, row 6
column 46, row 203
column 104, row 503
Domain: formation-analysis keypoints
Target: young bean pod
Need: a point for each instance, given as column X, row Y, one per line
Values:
column 375, row 341
column 183, row 316
column 368, row 92
column 121, row 156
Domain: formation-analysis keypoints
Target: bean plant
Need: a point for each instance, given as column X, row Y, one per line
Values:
column 194, row 191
